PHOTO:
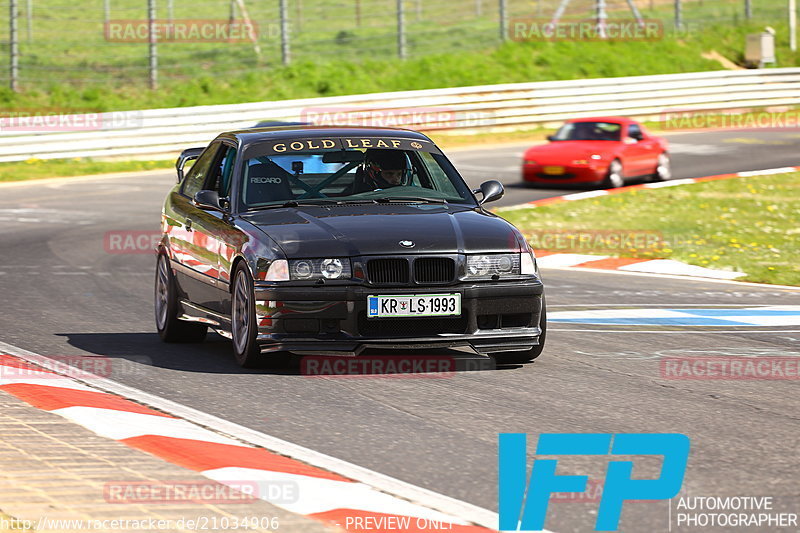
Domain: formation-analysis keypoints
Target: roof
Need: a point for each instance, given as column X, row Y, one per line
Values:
column 252, row 135
column 618, row 120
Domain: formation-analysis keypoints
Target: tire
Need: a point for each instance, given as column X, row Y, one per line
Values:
column 614, row 178
column 170, row 328
column 526, row 356
column 663, row 169
column 244, row 328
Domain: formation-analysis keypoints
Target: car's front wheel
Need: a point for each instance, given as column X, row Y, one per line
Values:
column 614, row 177
column 526, row 356
column 663, row 170
column 170, row 328
column 244, row 329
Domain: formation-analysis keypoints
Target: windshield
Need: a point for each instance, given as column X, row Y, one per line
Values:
column 350, row 176
column 588, row 131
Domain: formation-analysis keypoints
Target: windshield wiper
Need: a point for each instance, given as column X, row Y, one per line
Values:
column 294, row 203
column 404, row 199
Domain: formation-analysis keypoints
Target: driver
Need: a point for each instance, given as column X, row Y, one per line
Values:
column 385, row 168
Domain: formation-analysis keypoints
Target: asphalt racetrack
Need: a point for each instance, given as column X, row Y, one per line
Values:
column 64, row 294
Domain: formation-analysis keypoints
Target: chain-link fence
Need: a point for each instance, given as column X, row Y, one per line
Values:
column 133, row 43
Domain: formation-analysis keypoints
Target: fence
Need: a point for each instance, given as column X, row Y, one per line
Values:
column 126, row 43
column 494, row 108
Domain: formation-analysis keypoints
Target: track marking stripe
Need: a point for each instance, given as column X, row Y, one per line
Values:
column 316, row 495
column 326, row 496
column 645, row 266
column 201, row 455
column 656, row 185
column 50, row 398
column 120, row 425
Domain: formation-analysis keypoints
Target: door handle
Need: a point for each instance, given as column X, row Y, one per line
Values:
column 188, row 224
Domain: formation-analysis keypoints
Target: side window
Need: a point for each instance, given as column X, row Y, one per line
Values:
column 220, row 179
column 196, row 178
column 634, row 131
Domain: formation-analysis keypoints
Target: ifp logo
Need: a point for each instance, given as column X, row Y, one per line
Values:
column 524, row 507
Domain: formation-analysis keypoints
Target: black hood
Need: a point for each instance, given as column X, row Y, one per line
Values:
column 355, row 230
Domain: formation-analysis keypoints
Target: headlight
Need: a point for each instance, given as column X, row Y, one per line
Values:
column 596, row 157
column 486, row 266
column 302, row 269
column 311, row 269
column 332, row 268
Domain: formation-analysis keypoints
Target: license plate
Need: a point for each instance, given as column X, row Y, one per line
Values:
column 556, row 171
column 413, row 305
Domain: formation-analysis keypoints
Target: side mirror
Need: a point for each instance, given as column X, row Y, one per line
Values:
column 187, row 155
column 551, row 138
column 638, row 136
column 492, row 190
column 207, row 199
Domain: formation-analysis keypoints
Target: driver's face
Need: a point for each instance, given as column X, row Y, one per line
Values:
column 392, row 176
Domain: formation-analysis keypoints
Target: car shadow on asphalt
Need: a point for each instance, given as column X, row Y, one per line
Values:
column 133, row 352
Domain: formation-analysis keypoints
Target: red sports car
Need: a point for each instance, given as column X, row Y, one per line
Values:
column 598, row 151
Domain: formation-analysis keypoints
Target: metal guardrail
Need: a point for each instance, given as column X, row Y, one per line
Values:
column 492, row 108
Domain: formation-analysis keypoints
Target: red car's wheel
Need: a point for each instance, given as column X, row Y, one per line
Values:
column 663, row 169
column 614, row 178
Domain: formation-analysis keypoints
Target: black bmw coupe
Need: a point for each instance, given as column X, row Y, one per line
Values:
column 326, row 241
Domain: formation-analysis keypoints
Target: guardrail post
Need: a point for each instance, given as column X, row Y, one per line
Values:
column 748, row 9
column 678, row 15
column 401, row 31
column 151, row 26
column 286, row 56
column 793, row 25
column 503, row 20
column 601, row 16
column 29, row 18
column 14, row 46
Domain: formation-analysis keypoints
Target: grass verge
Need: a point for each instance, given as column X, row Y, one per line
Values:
column 744, row 224
column 49, row 168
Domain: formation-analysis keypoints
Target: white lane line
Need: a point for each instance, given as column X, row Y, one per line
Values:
column 668, row 183
column 680, row 331
column 565, row 260
column 12, row 376
column 421, row 496
column 767, row 172
column 317, row 495
column 584, row 195
column 118, row 425
column 669, row 276
column 670, row 266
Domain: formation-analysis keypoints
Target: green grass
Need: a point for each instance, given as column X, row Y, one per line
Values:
column 67, row 64
column 744, row 224
column 43, row 168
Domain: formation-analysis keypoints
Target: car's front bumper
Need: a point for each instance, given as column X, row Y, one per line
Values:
column 331, row 320
column 586, row 174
